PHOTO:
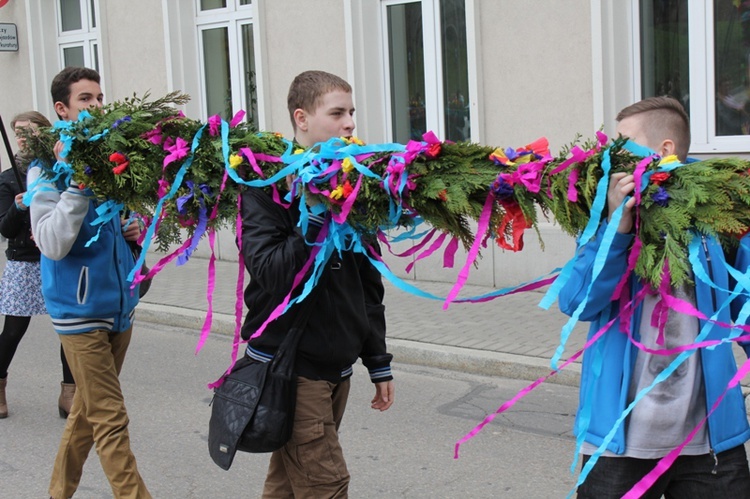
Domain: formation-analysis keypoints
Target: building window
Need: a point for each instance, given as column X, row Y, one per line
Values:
column 697, row 51
column 78, row 35
column 427, row 68
column 228, row 69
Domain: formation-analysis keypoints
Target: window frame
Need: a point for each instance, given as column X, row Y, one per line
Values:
column 87, row 37
column 702, row 79
column 433, row 70
column 233, row 17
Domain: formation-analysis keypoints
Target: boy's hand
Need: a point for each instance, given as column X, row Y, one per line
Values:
column 309, row 200
column 621, row 185
column 384, row 393
column 133, row 230
column 57, row 150
column 19, row 201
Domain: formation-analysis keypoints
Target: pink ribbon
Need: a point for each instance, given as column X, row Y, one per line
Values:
column 450, row 253
column 437, row 243
column 237, row 119
column 484, row 223
column 210, row 286
column 645, row 483
column 572, row 192
column 525, row 391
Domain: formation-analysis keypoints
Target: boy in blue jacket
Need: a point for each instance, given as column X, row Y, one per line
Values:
column 91, row 306
column 714, row 463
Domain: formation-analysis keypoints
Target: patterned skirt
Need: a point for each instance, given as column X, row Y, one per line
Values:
column 21, row 289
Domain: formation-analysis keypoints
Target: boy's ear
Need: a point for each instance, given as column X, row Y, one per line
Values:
column 300, row 119
column 667, row 148
column 61, row 110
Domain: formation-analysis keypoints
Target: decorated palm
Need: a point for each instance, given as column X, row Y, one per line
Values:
column 185, row 176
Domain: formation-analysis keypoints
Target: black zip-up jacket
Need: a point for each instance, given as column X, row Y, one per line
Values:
column 15, row 224
column 348, row 318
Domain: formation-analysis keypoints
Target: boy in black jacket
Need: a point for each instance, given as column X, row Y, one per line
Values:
column 348, row 319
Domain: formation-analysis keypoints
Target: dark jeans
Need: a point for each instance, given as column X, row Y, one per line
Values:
column 700, row 477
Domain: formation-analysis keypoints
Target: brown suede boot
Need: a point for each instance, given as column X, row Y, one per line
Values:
column 3, row 402
column 65, row 402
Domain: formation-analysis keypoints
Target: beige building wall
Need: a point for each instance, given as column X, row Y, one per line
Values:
column 299, row 36
column 133, row 48
column 16, row 84
column 536, row 80
column 534, row 77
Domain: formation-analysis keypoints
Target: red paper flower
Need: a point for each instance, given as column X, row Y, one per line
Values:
column 117, row 157
column 117, row 170
column 347, row 188
column 433, row 151
column 659, row 177
column 443, row 195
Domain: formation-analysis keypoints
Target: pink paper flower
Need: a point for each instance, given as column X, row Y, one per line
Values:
column 214, row 123
column 177, row 149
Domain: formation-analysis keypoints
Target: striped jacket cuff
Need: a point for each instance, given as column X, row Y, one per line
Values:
column 380, row 374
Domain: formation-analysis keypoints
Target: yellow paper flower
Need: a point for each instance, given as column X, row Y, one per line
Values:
column 299, row 150
column 352, row 140
column 337, row 193
column 235, row 160
column 347, row 165
column 666, row 160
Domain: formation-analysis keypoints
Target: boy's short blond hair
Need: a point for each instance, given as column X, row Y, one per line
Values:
column 662, row 118
column 309, row 87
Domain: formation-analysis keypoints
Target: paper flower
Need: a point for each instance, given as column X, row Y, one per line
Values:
column 659, row 177
column 235, row 160
column 661, row 197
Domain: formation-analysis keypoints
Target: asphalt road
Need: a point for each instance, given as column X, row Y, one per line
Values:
column 406, row 452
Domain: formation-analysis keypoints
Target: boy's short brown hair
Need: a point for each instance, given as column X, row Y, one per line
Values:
column 60, row 88
column 662, row 118
column 307, row 89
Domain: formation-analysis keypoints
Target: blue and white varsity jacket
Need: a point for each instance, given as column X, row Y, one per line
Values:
column 84, row 288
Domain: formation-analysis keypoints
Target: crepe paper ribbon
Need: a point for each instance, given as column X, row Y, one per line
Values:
column 177, row 149
column 599, row 261
column 385, row 271
column 645, row 483
column 282, row 307
column 210, row 287
column 572, row 192
column 412, row 250
column 682, row 357
column 237, row 118
column 525, row 391
column 597, row 206
column 515, row 219
column 160, row 204
column 253, row 158
column 211, row 279
column 463, row 275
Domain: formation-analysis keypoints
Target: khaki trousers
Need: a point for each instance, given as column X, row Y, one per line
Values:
column 98, row 416
column 311, row 465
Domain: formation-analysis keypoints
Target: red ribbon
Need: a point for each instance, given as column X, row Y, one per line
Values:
column 517, row 221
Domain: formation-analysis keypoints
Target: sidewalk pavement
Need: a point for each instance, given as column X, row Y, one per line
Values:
column 509, row 336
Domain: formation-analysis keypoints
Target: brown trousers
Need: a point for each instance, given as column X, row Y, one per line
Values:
column 311, row 465
column 98, row 416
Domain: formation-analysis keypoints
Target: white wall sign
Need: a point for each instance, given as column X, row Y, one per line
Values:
column 8, row 37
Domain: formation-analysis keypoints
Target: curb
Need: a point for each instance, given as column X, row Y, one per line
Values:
column 466, row 360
